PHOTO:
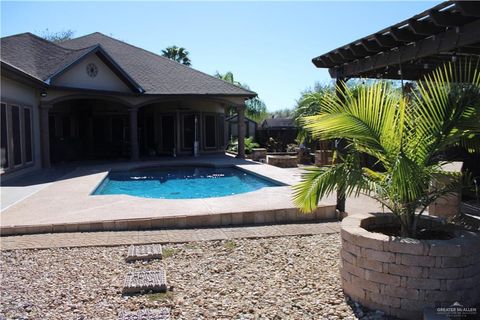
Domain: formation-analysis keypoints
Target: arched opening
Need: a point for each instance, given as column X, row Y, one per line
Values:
column 88, row 129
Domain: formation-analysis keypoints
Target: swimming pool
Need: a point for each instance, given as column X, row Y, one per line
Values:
column 181, row 182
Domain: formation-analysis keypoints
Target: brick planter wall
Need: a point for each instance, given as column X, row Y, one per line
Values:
column 403, row 276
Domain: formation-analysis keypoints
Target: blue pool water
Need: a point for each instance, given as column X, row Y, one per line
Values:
column 181, row 183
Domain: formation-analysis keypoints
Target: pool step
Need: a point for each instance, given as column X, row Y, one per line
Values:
column 144, row 252
column 146, row 314
column 140, row 282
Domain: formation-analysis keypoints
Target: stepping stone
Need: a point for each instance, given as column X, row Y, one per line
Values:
column 146, row 314
column 144, row 252
column 145, row 281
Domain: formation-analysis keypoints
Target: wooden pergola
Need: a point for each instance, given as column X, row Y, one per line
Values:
column 409, row 49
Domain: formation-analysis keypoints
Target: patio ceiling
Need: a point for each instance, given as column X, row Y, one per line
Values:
column 409, row 49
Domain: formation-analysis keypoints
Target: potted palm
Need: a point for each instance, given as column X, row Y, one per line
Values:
column 399, row 262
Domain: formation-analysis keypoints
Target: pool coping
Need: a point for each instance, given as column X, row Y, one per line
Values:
column 66, row 205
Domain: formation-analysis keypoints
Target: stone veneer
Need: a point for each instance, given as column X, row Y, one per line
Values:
column 402, row 276
column 258, row 153
column 282, row 161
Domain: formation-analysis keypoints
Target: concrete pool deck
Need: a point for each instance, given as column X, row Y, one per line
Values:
column 65, row 205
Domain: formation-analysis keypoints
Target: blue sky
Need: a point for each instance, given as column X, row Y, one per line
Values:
column 268, row 45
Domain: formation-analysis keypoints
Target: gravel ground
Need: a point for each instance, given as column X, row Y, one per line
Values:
column 275, row 278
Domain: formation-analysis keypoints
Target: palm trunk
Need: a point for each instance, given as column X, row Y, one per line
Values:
column 407, row 222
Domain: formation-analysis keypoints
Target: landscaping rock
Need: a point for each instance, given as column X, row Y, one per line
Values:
column 144, row 252
column 146, row 314
column 294, row 277
column 145, row 281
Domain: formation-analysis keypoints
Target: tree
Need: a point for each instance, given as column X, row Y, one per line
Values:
column 309, row 105
column 406, row 135
column 255, row 107
column 58, row 36
column 178, row 54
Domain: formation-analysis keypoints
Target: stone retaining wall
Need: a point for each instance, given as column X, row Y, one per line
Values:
column 282, row 161
column 403, row 276
column 258, row 153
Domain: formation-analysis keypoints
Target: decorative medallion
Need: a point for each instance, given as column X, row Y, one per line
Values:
column 92, row 70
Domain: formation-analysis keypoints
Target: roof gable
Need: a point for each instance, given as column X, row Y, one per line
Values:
column 157, row 74
column 109, row 76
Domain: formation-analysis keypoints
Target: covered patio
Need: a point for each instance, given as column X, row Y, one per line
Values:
column 89, row 126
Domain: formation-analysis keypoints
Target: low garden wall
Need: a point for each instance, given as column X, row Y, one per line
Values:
column 282, row 161
column 258, row 153
column 402, row 276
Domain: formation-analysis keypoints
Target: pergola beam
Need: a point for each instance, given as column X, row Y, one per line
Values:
column 468, row 8
column 443, row 42
column 424, row 27
column 371, row 46
column 404, row 35
column 385, row 41
column 444, row 19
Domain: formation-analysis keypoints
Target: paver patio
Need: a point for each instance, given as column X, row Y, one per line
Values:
column 91, row 239
column 66, row 204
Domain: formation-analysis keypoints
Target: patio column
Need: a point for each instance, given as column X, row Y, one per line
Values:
column 340, row 145
column 241, row 132
column 45, row 135
column 134, row 153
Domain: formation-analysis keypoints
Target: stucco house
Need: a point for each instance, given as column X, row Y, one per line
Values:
column 96, row 97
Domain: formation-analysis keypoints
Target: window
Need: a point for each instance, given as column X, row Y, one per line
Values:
column 27, row 120
column 221, row 131
column 3, row 137
column 188, row 131
column 210, row 131
column 66, row 127
column 17, row 144
column 16, row 136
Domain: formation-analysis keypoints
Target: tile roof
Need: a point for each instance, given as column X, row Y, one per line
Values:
column 155, row 74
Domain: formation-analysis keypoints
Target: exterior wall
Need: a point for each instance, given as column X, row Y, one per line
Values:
column 15, row 93
column 402, row 276
column 77, row 77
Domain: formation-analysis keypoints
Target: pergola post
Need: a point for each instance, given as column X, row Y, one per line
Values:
column 340, row 144
column 45, row 134
column 134, row 153
column 241, row 132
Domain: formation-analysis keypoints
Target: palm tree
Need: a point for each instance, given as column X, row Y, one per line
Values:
column 255, row 107
column 178, row 54
column 309, row 105
column 407, row 137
